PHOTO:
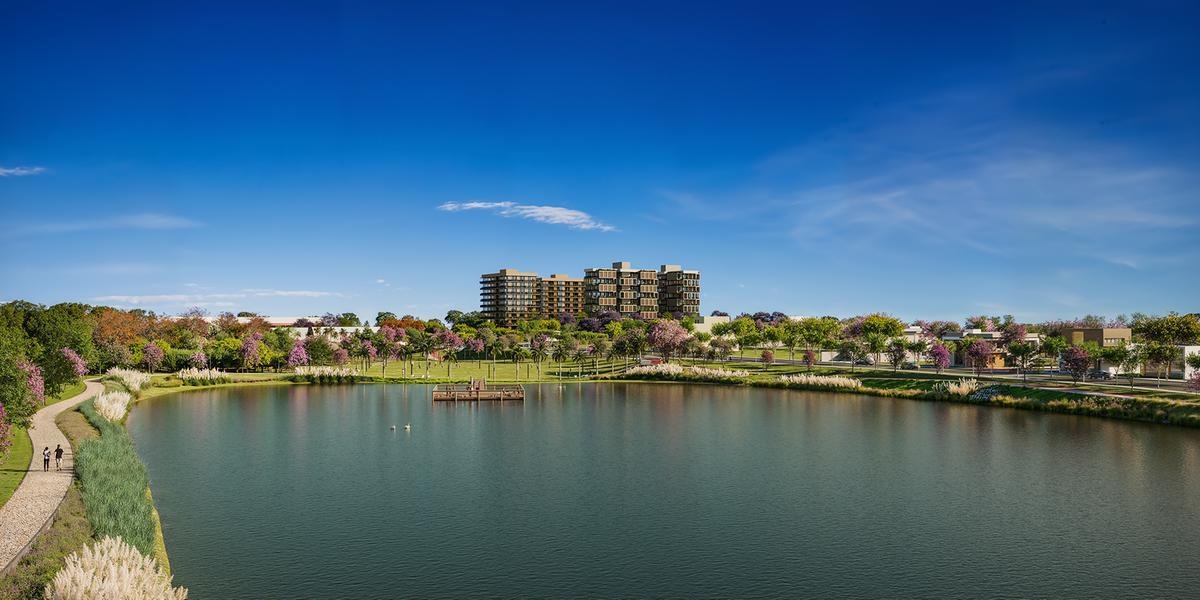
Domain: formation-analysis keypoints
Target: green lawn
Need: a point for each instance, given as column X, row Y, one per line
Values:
column 14, row 464
column 503, row 370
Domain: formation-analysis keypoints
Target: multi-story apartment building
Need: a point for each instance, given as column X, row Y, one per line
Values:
column 678, row 291
column 631, row 292
column 561, row 294
column 509, row 296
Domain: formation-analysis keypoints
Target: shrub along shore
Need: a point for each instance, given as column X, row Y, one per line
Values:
column 1150, row 410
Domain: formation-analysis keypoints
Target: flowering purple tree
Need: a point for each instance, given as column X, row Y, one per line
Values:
column 199, row 359
column 940, row 355
column 449, row 343
column 341, row 356
column 250, row 350
column 1076, row 361
column 152, row 355
column 810, row 359
column 34, row 381
column 298, row 355
column 329, row 320
column 982, row 322
column 768, row 358
column 667, row 337
column 1011, row 334
column 77, row 363
column 979, row 353
column 368, row 352
column 1193, row 384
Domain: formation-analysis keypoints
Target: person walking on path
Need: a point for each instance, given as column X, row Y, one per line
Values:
column 46, row 459
column 58, row 452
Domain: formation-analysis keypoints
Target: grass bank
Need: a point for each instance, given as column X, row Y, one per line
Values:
column 15, row 464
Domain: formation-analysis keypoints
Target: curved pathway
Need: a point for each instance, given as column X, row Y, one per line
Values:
column 40, row 493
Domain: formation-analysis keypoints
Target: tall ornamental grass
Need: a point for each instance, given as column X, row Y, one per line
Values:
column 112, row 569
column 113, row 405
column 823, row 382
column 962, row 388
column 320, row 374
column 113, row 483
column 194, row 376
column 674, row 372
column 134, row 381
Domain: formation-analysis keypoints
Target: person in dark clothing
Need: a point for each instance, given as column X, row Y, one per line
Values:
column 58, row 452
column 46, row 459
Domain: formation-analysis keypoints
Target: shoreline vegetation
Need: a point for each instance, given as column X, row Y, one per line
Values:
column 929, row 387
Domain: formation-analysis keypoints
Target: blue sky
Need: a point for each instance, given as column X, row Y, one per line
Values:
column 930, row 161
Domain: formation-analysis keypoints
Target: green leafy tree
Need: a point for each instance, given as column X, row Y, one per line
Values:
column 14, row 391
column 897, row 351
column 918, row 348
column 877, row 344
column 854, row 351
column 1052, row 347
column 1023, row 354
column 1173, row 329
column 1161, row 355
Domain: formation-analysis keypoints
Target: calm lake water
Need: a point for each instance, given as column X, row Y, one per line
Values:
column 642, row 490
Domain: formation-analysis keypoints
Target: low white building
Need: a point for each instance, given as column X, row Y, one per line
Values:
column 705, row 324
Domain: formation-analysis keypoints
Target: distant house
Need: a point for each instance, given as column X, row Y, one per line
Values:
column 998, row 359
column 1105, row 337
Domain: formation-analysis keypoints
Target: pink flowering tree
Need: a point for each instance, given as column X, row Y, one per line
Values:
column 979, row 353
column 298, row 355
column 448, row 344
column 198, row 360
column 341, row 356
column 251, row 353
column 1193, row 382
column 940, row 355
column 810, row 359
column 34, row 381
column 77, row 363
column 367, row 352
column 1012, row 333
column 5, row 432
column 1076, row 361
column 152, row 355
column 667, row 337
column 768, row 358
column 475, row 346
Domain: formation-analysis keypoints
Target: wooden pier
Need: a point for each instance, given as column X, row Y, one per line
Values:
column 477, row 390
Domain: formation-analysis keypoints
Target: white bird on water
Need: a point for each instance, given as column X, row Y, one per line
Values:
column 393, row 427
column 408, row 426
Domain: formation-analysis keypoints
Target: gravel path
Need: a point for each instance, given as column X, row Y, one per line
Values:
column 40, row 493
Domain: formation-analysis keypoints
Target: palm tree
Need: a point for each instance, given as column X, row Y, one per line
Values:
column 563, row 350
column 420, row 342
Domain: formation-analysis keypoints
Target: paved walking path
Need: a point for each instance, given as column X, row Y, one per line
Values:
column 40, row 493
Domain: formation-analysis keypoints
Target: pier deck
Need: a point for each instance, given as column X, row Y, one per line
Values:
column 477, row 390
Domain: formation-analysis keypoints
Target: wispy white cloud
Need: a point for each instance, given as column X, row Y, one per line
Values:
column 21, row 171
column 554, row 215
column 135, row 221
